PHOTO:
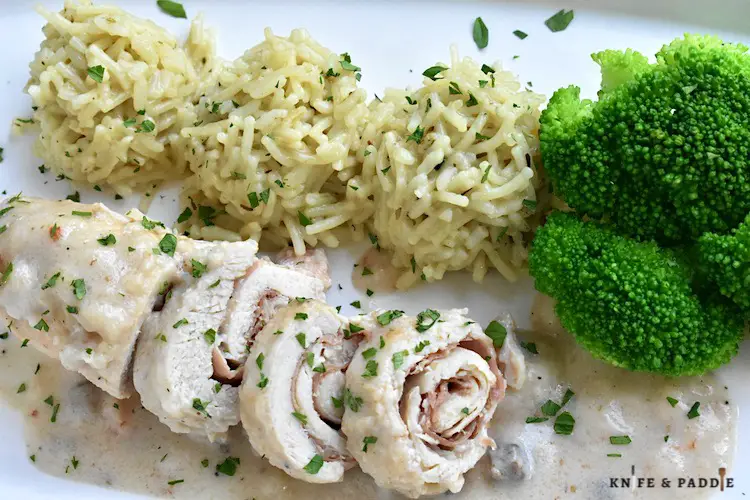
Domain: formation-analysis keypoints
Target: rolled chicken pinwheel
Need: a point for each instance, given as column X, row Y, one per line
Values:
column 292, row 397
column 79, row 280
column 189, row 361
column 424, row 391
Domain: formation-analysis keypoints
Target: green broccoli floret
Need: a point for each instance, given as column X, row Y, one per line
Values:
column 630, row 303
column 665, row 152
column 725, row 261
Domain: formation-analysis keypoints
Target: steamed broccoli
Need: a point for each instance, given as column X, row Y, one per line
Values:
column 630, row 303
column 665, row 152
column 725, row 261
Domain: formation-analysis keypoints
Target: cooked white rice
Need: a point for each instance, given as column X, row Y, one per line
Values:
column 452, row 166
column 100, row 133
column 281, row 146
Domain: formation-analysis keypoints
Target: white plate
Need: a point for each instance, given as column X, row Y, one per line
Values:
column 393, row 42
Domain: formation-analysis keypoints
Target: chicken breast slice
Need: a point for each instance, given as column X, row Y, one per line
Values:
column 258, row 296
column 79, row 281
column 174, row 362
column 424, row 390
column 292, row 396
column 510, row 356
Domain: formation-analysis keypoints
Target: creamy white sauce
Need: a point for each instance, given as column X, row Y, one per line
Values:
column 128, row 449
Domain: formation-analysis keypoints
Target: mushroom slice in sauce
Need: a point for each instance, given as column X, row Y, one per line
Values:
column 292, row 396
column 427, row 396
column 83, row 281
column 175, row 364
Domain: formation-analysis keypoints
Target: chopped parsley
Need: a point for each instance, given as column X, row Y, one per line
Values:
column 303, row 219
column 72, row 309
column 497, row 333
column 564, row 424
column 426, row 319
column 229, row 466
column 433, row 71
column 175, row 481
column 180, row 322
column 55, row 410
column 198, row 268
column 356, row 304
column 79, row 288
column 75, row 197
column 530, row 346
column 300, row 316
column 672, row 401
column 465, row 410
column 107, row 240
column 21, row 388
column 388, row 316
column 530, row 204
column 453, row 88
column 200, row 406
column 369, row 353
column 301, row 339
column 420, row 347
column 416, row 136
column 263, row 381
column 481, row 33
column 300, row 416
column 560, row 20
column 520, row 34
column 368, row 440
column 614, row 455
column 81, row 214
column 146, row 126
column 471, row 101
column 150, row 224
column 96, row 73
column 314, row 465
column 536, row 420
column 550, row 408
column 185, row 215
column 168, row 244
column 366, row 271
column 210, row 336
column 355, row 328
column 353, row 402
column 398, row 359
column 52, row 281
column 620, row 440
column 694, row 413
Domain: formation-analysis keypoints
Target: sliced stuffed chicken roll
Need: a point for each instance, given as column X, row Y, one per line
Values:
column 79, row 280
column 292, row 397
column 425, row 389
column 190, row 359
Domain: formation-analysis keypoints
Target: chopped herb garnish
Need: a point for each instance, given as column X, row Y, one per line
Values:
column 320, row 368
column 520, row 34
column 356, row 304
column 614, row 455
column 366, row 271
column 198, row 268
column 51, row 282
column 465, row 411
column 348, row 66
column 25, row 342
column 150, row 224
column 564, row 424
column 672, row 401
column 168, row 244
column 530, row 346
column 560, row 20
column 96, row 73
column 303, row 219
column 536, row 420
column 413, row 265
column 693, row 413
column 371, row 369
column 265, row 195
column 453, row 88
column 300, row 316
column 146, row 126
column 204, row 463
column 481, row 33
column 337, row 403
column 55, row 410
column 21, row 388
column 471, row 101
column 433, row 71
column 353, row 402
column 107, row 240
column 229, row 466
column 550, row 408
column 79, row 288
column 214, row 284
column 620, row 440
column 314, row 465
column 75, row 197
column 81, row 214
column 301, row 339
column 369, row 353
column 210, row 336
column 497, row 332
column 567, row 397
column 355, row 328
column 530, row 204
column 72, row 309
column 368, row 440
column 486, row 174
column 252, row 198
column 426, row 319
column 263, row 381
column 180, row 322
column 300, row 416
column 185, row 215
column 175, row 481
column 416, row 136
column 200, row 406
column 420, row 347
column 480, row 137
column 129, row 122
column 369, row 292
column 398, row 358
column 388, row 316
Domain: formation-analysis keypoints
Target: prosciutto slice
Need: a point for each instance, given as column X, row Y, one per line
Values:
column 427, row 388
